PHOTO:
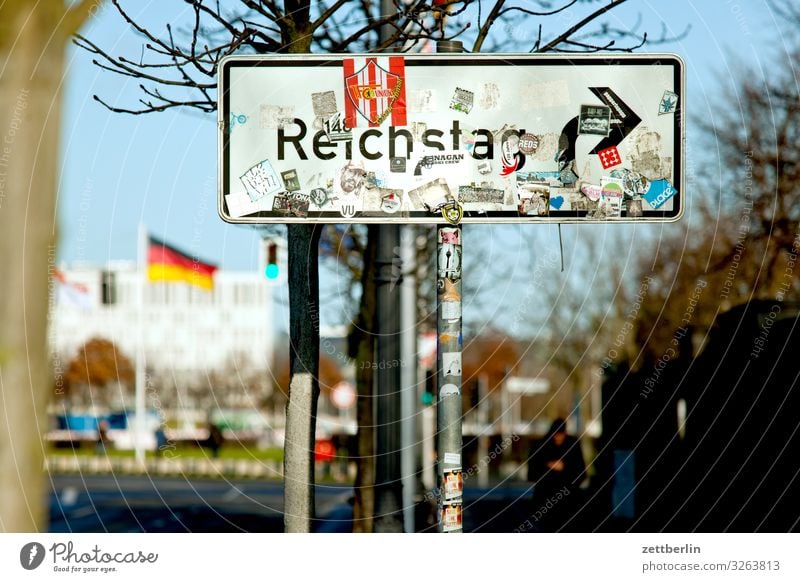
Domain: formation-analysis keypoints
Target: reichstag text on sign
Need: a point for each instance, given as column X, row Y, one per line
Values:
column 425, row 138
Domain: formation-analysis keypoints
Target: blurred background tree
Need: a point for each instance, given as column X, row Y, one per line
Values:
column 739, row 240
column 99, row 364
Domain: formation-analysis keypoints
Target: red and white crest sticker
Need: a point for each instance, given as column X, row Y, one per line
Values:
column 375, row 89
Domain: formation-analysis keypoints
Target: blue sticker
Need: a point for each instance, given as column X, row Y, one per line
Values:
column 669, row 103
column 557, row 202
column 659, row 192
column 241, row 119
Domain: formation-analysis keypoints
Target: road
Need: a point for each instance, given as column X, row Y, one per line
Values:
column 177, row 504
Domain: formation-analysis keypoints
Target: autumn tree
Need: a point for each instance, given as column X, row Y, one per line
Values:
column 99, row 364
column 740, row 238
column 492, row 356
column 734, row 244
column 580, row 314
column 711, row 278
column 177, row 68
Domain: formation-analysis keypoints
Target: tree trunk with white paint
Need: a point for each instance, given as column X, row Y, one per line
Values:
column 301, row 410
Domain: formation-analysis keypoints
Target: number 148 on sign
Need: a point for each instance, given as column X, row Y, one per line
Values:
column 336, row 128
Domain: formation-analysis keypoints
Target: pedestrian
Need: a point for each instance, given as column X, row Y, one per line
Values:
column 161, row 440
column 101, row 446
column 215, row 439
column 556, row 467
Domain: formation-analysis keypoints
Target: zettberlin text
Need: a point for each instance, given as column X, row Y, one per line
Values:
column 665, row 549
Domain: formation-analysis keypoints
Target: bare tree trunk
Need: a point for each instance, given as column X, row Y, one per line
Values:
column 363, row 341
column 301, row 409
column 32, row 44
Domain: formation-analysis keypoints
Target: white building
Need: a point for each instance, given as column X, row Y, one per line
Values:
column 185, row 329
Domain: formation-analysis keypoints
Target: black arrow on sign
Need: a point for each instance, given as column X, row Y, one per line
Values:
column 566, row 144
column 623, row 119
column 623, row 122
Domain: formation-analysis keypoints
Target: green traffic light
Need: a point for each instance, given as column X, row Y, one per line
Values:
column 427, row 398
column 272, row 271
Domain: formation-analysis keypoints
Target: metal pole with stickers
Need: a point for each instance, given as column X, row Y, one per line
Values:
column 448, row 364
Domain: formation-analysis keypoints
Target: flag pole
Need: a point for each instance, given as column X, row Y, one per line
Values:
column 139, row 427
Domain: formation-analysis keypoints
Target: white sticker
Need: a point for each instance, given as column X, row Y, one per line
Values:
column 452, row 458
column 489, row 97
column 451, row 517
column 422, row 101
column 453, row 485
column 324, row 104
column 275, row 116
column 449, row 261
column 448, row 390
column 451, row 364
column 451, row 310
column 240, row 205
column 546, row 94
column 260, row 181
column 336, row 129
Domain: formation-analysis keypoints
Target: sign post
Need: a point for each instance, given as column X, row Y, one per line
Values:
column 448, row 139
column 450, row 502
column 448, row 363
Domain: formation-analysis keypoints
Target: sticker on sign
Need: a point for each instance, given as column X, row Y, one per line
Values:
column 352, row 143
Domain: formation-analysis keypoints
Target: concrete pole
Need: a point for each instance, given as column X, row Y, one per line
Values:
column 140, row 421
column 505, row 413
column 428, row 447
column 483, row 437
column 388, row 484
column 408, row 376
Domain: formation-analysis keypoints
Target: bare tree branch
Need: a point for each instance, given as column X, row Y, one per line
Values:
column 328, row 13
column 476, row 47
column 150, row 108
column 580, row 24
column 187, row 57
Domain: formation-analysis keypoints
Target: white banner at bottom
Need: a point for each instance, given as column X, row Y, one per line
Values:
column 390, row 557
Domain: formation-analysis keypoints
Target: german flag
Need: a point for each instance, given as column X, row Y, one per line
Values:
column 166, row 263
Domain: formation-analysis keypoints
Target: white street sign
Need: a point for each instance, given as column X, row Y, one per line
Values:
column 411, row 138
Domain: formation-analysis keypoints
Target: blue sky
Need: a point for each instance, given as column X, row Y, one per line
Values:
column 160, row 169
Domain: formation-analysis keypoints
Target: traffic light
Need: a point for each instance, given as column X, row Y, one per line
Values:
column 108, row 283
column 428, row 396
column 272, row 270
